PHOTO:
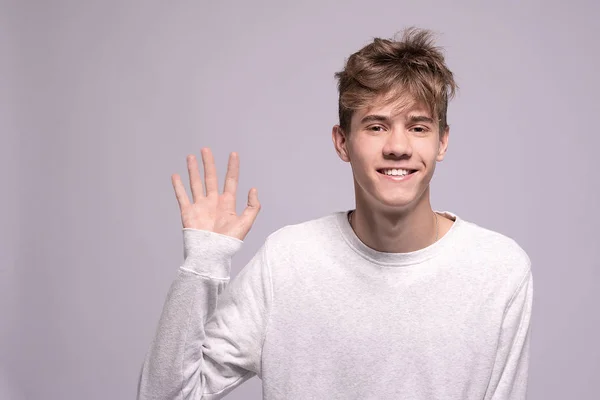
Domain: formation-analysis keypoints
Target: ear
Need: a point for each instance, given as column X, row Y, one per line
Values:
column 340, row 142
column 443, row 144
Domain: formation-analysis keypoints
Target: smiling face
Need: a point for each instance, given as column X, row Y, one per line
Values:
column 384, row 139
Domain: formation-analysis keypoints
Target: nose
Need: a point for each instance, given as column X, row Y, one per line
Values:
column 397, row 144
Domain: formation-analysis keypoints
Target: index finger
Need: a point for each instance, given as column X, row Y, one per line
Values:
column 233, row 172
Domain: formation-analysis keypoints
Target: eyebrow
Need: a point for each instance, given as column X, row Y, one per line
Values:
column 384, row 118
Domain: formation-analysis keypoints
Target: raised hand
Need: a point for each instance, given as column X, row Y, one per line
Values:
column 212, row 211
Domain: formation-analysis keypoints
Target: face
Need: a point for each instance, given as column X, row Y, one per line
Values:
column 383, row 138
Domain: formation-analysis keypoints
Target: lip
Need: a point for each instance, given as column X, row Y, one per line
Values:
column 395, row 167
column 395, row 178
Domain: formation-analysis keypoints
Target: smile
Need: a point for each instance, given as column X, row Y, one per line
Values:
column 397, row 178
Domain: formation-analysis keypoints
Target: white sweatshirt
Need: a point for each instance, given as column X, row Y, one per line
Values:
column 317, row 314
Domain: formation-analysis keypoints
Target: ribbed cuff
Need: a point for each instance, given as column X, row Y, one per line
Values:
column 209, row 253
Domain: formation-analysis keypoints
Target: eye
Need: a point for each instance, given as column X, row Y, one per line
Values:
column 375, row 128
column 420, row 129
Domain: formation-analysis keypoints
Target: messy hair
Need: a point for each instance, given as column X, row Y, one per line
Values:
column 408, row 70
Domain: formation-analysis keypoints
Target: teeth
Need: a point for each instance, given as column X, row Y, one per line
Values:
column 395, row 172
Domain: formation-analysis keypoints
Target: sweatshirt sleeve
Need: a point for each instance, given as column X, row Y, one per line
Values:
column 510, row 372
column 210, row 333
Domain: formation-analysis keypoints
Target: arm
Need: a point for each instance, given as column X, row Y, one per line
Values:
column 209, row 337
column 210, row 334
column 510, row 372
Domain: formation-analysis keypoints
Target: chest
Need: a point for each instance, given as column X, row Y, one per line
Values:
column 427, row 317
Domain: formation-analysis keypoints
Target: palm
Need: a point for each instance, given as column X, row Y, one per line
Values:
column 212, row 211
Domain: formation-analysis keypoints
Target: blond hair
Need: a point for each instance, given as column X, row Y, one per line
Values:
column 411, row 69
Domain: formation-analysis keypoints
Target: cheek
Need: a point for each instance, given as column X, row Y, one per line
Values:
column 428, row 151
column 361, row 154
column 360, row 166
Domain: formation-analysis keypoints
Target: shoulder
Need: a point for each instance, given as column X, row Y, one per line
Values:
column 297, row 253
column 495, row 251
column 305, row 234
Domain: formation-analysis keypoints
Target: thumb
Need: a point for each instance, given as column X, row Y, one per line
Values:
column 253, row 206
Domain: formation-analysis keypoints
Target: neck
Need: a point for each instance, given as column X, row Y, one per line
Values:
column 397, row 231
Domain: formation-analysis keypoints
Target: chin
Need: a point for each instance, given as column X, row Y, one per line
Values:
column 395, row 203
column 387, row 199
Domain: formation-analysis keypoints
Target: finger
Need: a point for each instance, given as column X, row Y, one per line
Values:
column 210, row 172
column 195, row 181
column 180, row 193
column 253, row 207
column 233, row 173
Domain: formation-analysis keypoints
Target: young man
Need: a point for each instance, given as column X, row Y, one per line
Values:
column 389, row 301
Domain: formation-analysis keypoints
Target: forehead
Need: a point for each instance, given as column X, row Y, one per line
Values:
column 396, row 108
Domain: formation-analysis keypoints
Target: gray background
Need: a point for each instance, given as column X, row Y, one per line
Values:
column 100, row 102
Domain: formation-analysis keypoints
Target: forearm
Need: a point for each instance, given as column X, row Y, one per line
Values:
column 173, row 366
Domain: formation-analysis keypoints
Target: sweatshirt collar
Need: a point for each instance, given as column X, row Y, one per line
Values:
column 397, row 259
